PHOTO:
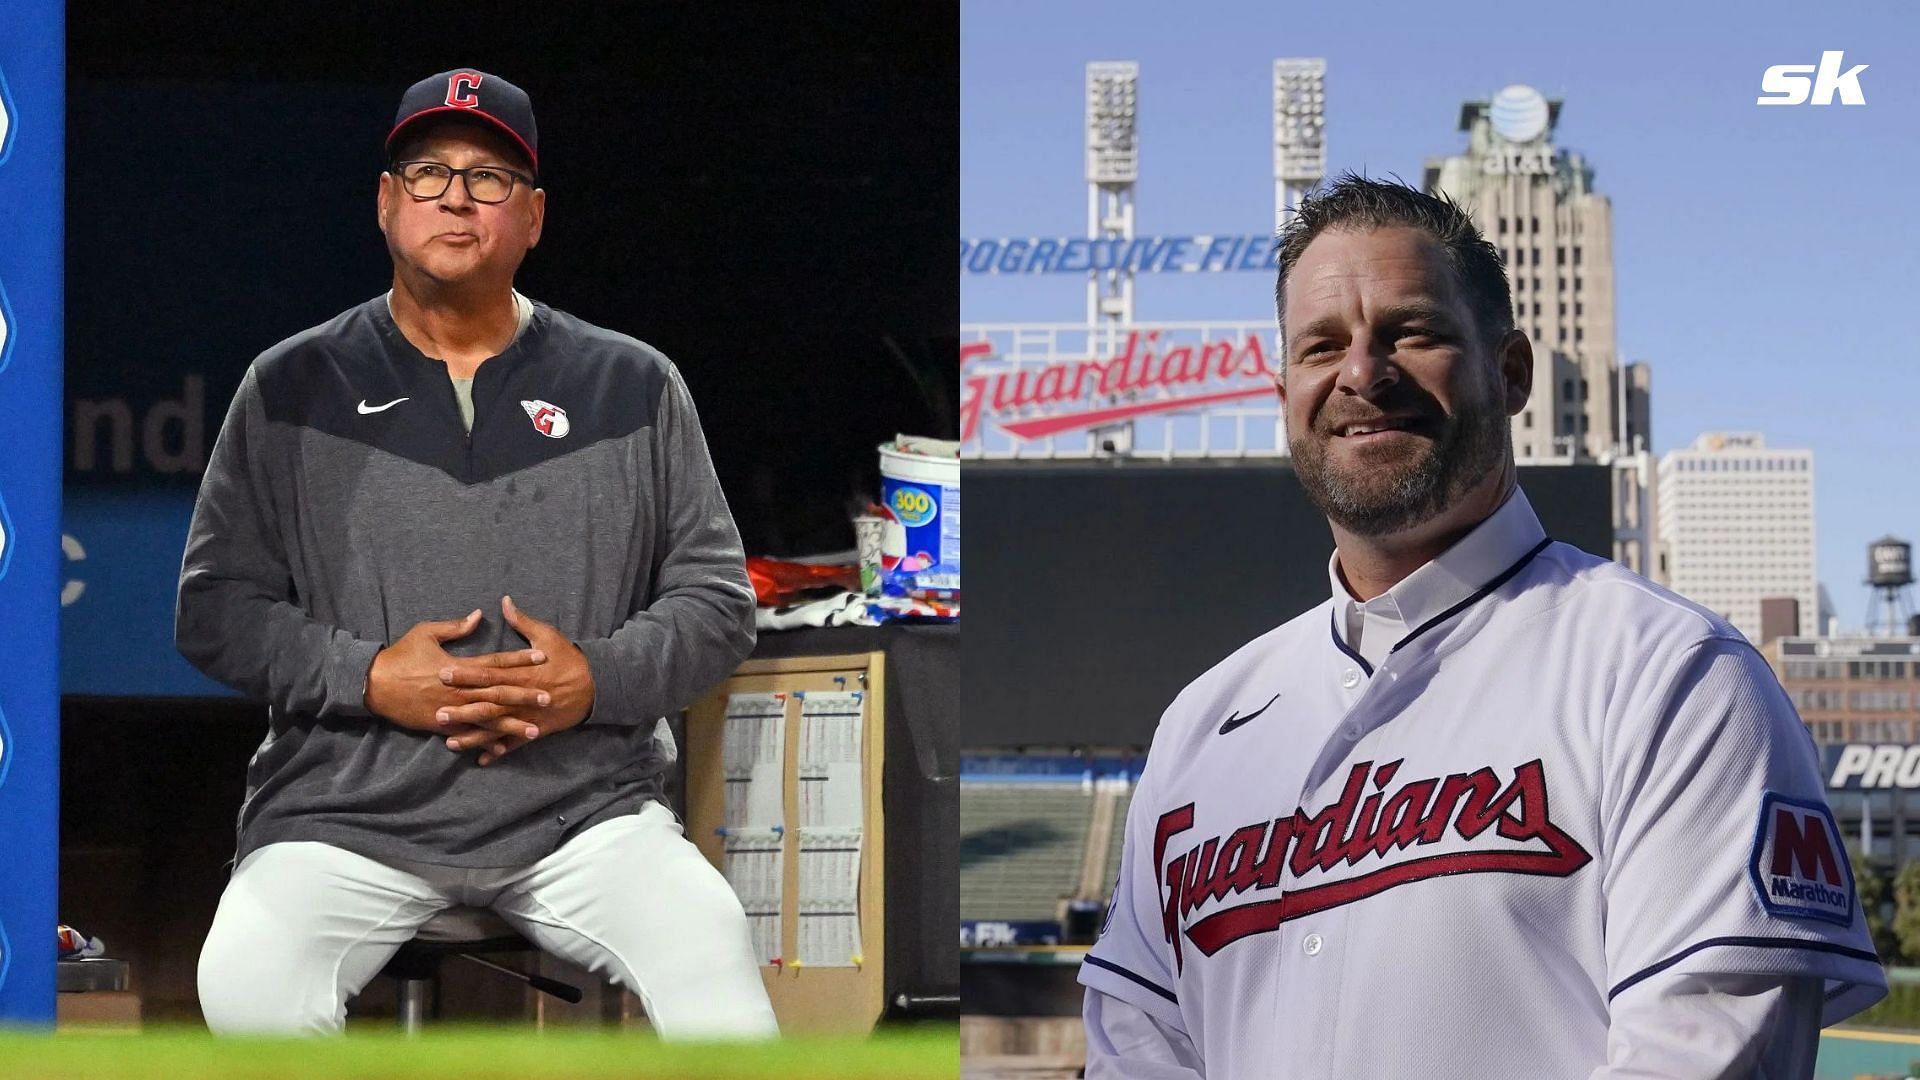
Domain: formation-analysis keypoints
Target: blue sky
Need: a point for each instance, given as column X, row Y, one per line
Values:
column 1767, row 259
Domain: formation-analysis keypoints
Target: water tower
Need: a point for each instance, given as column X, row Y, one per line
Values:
column 1889, row 574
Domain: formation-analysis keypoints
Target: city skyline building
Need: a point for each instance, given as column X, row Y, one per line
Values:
column 1852, row 688
column 1536, row 203
column 1859, row 697
column 1736, row 526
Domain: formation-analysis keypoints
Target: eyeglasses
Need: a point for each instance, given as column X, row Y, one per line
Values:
column 431, row 179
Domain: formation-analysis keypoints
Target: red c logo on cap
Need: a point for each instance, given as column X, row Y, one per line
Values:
column 463, row 90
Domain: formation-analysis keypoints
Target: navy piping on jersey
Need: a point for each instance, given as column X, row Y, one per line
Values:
column 1125, row 974
column 1743, row 942
column 1334, row 626
column 1502, row 578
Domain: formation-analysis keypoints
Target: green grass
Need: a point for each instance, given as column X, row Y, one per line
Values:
column 455, row 1053
column 1899, row 1009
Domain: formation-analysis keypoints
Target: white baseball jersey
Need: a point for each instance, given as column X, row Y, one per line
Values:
column 1561, row 784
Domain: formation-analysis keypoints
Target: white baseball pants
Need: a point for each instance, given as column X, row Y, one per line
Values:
column 303, row 926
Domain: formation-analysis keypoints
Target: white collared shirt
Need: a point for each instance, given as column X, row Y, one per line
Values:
column 1372, row 628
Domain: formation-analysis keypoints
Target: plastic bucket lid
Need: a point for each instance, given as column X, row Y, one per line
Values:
column 919, row 468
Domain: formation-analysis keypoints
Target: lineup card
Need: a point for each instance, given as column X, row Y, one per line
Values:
column 831, row 817
column 754, row 748
column 756, row 868
column 754, row 745
column 830, row 897
column 830, row 759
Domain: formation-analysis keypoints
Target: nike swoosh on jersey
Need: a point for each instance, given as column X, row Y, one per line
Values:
column 366, row 409
column 1236, row 719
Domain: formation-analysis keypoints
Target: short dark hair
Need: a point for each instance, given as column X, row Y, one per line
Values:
column 1353, row 201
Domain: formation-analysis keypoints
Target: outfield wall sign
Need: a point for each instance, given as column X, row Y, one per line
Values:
column 1008, row 933
column 1181, row 389
column 1872, row 766
column 1136, row 254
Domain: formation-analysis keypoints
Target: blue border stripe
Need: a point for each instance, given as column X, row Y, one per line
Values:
column 1744, row 943
column 1130, row 976
column 32, row 159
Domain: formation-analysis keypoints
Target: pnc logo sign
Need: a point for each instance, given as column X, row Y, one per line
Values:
column 1798, row 865
column 1788, row 84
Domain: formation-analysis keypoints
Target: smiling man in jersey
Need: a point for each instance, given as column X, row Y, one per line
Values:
column 1498, row 808
column 471, row 551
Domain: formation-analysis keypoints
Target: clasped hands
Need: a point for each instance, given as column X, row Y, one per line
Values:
column 497, row 702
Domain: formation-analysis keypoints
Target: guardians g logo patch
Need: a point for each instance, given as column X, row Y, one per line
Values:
column 548, row 419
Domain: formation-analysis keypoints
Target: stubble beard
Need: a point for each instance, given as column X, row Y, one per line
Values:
column 1390, row 496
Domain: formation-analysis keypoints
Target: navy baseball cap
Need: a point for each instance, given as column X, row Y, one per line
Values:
column 467, row 94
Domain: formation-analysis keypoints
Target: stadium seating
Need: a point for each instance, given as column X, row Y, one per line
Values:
column 1021, row 847
column 1111, row 867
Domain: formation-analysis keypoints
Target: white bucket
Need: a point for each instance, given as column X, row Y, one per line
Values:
column 920, row 493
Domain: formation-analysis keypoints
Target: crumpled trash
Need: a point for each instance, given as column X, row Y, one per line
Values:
column 75, row 945
column 777, row 581
column 854, row 609
column 846, row 608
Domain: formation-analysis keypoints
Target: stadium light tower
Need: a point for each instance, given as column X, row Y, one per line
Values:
column 1299, row 147
column 1113, row 166
column 1299, row 131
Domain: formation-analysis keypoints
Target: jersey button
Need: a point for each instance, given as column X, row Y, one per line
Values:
column 1311, row 945
column 1350, row 678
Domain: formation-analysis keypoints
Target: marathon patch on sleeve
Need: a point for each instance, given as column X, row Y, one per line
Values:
column 1799, row 865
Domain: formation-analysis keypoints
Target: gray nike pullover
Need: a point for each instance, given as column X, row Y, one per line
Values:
column 345, row 502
